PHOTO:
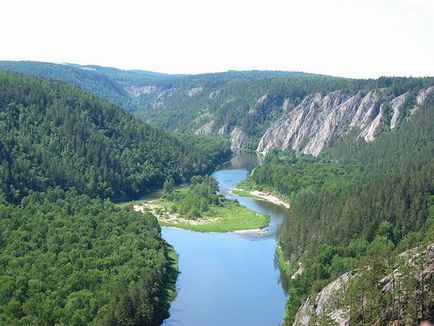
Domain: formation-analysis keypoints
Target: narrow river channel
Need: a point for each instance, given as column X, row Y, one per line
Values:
column 229, row 278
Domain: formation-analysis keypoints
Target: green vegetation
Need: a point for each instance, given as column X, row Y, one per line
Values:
column 200, row 208
column 171, row 277
column 197, row 199
column 52, row 134
column 217, row 150
column 68, row 259
column 342, row 202
column 106, row 83
column 183, row 103
column 409, row 297
column 227, row 218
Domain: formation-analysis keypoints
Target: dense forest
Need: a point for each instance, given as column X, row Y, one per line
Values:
column 68, row 259
column 133, row 90
column 354, row 197
column 195, row 200
column 68, row 255
column 53, row 134
column 247, row 101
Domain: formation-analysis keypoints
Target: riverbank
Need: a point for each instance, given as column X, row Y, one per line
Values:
column 261, row 195
column 171, row 276
column 217, row 266
column 227, row 218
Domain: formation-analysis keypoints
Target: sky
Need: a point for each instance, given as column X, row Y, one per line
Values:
column 349, row 38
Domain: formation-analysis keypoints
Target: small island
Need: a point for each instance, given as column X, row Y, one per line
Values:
column 200, row 207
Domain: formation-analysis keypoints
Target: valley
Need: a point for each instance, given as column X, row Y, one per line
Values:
column 231, row 276
column 106, row 173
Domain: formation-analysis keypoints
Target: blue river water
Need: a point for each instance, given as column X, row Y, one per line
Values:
column 229, row 278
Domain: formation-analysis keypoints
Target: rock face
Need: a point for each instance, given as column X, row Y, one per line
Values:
column 237, row 135
column 135, row 91
column 238, row 138
column 326, row 302
column 206, row 129
column 323, row 303
column 194, row 91
column 318, row 119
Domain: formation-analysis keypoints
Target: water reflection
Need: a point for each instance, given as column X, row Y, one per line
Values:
column 229, row 278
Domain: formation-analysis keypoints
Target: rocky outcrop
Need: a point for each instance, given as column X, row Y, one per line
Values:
column 396, row 107
column 162, row 96
column 135, row 91
column 194, row 91
column 324, row 303
column 237, row 135
column 214, row 94
column 418, row 264
column 223, row 130
column 206, row 129
column 318, row 119
column 238, row 138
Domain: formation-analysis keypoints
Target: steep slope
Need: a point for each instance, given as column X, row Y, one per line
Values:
column 136, row 90
column 318, row 120
column 404, row 295
column 66, row 259
column 97, row 83
column 258, row 110
column 53, row 134
column 354, row 198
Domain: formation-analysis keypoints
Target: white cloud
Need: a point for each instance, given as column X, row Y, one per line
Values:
column 360, row 38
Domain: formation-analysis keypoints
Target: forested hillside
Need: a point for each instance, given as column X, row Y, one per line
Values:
column 260, row 110
column 354, row 198
column 53, row 134
column 134, row 90
column 71, row 260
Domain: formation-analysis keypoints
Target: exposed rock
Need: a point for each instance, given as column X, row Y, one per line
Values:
column 194, row 91
column 298, row 272
column 324, row 303
column 264, row 105
column 423, row 95
column 327, row 303
column 223, row 130
column 422, row 98
column 285, row 105
column 238, row 138
column 262, row 99
column 310, row 125
column 214, row 94
column 135, row 91
column 159, row 101
column 396, row 106
column 206, row 129
column 318, row 119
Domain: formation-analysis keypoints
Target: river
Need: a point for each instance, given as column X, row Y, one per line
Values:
column 229, row 278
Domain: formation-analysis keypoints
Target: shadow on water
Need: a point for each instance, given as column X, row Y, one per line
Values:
column 244, row 160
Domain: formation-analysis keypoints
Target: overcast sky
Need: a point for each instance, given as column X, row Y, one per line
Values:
column 352, row 38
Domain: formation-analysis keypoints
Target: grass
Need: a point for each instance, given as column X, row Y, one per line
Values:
column 231, row 217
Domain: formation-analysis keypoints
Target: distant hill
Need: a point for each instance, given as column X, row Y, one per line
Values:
column 258, row 110
column 55, row 134
column 126, row 88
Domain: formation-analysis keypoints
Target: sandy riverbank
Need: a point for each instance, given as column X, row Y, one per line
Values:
column 261, row 195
